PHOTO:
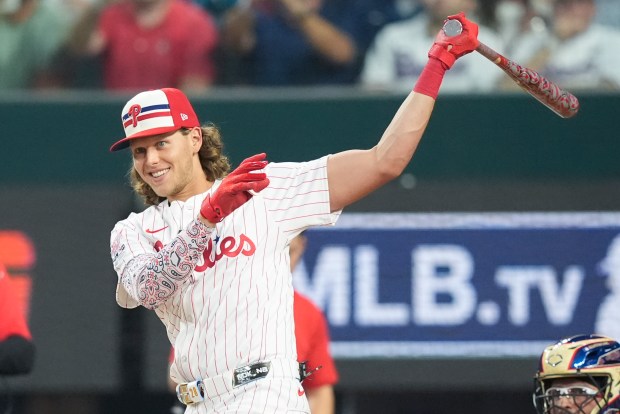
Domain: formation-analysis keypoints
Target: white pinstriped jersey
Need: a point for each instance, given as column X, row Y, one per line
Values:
column 236, row 306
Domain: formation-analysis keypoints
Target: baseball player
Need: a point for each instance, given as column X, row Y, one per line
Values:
column 579, row 375
column 210, row 255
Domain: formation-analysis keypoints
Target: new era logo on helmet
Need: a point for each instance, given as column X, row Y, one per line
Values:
column 184, row 117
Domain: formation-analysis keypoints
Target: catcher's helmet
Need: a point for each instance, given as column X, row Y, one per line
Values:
column 591, row 358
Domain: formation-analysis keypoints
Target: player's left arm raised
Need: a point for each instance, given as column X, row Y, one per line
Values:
column 356, row 173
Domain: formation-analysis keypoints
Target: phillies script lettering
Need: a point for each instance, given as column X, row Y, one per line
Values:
column 228, row 247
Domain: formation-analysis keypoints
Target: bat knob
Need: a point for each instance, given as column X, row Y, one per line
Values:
column 452, row 27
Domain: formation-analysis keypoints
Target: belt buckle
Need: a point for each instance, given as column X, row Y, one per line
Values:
column 190, row 393
column 249, row 373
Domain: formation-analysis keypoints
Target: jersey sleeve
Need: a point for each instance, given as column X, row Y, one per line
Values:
column 148, row 275
column 126, row 243
column 298, row 195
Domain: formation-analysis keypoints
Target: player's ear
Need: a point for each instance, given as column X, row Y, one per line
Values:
column 196, row 137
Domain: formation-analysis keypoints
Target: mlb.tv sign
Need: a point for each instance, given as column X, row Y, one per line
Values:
column 463, row 284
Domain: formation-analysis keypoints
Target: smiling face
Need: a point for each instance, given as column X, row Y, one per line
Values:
column 169, row 163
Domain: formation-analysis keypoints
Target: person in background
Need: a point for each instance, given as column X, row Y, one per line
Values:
column 513, row 19
column 217, row 8
column 312, row 338
column 17, row 350
column 379, row 13
column 31, row 34
column 149, row 44
column 397, row 57
column 574, row 53
column 579, row 375
column 297, row 42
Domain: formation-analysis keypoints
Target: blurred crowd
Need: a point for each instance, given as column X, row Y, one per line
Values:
column 129, row 45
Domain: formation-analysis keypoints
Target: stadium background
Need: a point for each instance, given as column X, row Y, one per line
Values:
column 62, row 192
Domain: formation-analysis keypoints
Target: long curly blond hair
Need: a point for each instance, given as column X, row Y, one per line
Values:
column 212, row 159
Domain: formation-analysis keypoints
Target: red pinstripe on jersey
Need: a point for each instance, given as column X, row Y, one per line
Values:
column 237, row 309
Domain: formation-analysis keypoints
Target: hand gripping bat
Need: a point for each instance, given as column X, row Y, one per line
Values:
column 560, row 101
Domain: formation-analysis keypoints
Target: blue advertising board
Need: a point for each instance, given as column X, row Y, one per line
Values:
column 463, row 284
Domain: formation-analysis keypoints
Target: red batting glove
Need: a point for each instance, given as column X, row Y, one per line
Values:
column 449, row 48
column 233, row 191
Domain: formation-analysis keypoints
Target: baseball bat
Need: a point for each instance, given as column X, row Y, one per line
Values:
column 560, row 101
